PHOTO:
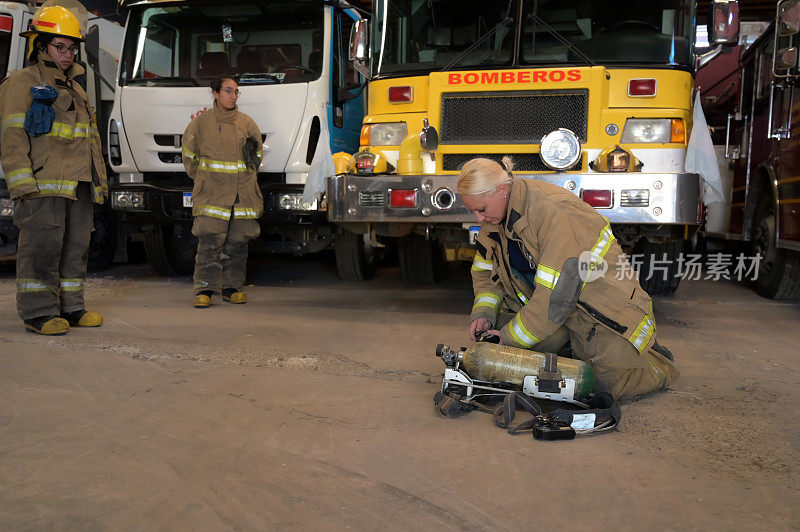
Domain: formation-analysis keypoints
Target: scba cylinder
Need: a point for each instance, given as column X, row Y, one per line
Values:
column 505, row 364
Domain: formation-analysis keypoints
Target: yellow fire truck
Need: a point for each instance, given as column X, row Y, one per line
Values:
column 593, row 96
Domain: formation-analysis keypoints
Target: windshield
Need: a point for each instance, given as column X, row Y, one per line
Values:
column 613, row 31
column 262, row 43
column 430, row 35
column 413, row 35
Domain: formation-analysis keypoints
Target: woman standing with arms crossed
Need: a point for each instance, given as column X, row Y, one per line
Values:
column 222, row 154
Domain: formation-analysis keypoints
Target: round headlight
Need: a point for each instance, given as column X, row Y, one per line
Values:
column 560, row 149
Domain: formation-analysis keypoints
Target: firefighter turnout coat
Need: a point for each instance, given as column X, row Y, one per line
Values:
column 54, row 163
column 566, row 242
column 212, row 154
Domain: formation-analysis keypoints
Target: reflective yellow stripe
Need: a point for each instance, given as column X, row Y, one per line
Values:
column 14, row 120
column 520, row 333
column 486, row 299
column 642, row 334
column 83, row 130
column 31, row 286
column 602, row 246
column 100, row 192
column 223, row 213
column 481, row 264
column 19, row 177
column 60, row 129
column 246, row 212
column 71, row 285
column 522, row 298
column 57, row 187
column 189, row 154
column 547, row 276
column 223, row 167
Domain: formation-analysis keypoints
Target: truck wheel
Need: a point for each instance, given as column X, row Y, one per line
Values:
column 659, row 273
column 778, row 269
column 421, row 261
column 355, row 256
column 103, row 243
column 171, row 249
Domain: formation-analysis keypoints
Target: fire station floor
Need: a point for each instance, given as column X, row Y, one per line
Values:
column 311, row 408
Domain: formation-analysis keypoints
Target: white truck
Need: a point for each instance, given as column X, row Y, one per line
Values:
column 290, row 59
column 106, row 37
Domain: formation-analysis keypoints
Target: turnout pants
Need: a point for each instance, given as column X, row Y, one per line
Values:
column 620, row 368
column 52, row 252
column 221, row 259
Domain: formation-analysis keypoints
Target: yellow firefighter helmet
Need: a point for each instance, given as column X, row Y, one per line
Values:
column 52, row 20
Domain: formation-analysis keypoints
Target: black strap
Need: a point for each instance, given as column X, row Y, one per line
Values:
column 505, row 412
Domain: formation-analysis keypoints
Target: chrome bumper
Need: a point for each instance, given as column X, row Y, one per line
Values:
column 673, row 198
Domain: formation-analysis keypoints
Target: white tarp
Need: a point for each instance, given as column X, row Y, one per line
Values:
column 321, row 165
column 701, row 158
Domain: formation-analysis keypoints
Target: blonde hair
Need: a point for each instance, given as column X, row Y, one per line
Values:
column 481, row 176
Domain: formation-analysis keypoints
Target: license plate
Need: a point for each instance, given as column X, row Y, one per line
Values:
column 473, row 233
column 187, row 199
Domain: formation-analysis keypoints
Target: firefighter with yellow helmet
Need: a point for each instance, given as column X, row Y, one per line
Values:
column 51, row 156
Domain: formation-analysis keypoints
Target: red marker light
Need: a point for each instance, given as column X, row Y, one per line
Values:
column 401, row 94
column 403, row 198
column 642, row 87
column 599, row 199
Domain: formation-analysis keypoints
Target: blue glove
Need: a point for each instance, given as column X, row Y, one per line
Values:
column 39, row 119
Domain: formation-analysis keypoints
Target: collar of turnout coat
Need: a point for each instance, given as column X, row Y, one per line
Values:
column 53, row 73
column 224, row 116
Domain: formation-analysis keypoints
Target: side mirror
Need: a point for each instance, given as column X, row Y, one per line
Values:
column 788, row 19
column 358, row 51
column 723, row 27
column 93, row 47
column 359, row 41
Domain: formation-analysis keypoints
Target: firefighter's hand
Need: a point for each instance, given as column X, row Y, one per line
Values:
column 495, row 332
column 478, row 326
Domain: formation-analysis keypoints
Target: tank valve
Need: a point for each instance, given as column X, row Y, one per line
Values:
column 449, row 355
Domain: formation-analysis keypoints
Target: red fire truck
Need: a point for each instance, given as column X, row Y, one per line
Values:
column 763, row 150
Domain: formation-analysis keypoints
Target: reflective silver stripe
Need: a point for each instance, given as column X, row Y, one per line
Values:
column 522, row 298
column 522, row 335
column 31, row 285
column 244, row 212
column 214, row 212
column 480, row 264
column 487, row 301
column 641, row 336
column 14, row 120
column 18, row 176
column 546, row 276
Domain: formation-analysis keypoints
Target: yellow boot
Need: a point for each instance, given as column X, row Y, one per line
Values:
column 83, row 318
column 201, row 301
column 237, row 297
column 49, row 325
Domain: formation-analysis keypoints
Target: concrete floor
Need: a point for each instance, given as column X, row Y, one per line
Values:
column 311, row 408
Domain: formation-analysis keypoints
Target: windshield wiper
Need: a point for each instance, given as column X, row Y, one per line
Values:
column 560, row 38
column 172, row 79
column 502, row 24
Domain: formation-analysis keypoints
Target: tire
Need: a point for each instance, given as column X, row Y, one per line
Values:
column 659, row 273
column 103, row 243
column 778, row 269
column 355, row 257
column 421, row 261
column 170, row 250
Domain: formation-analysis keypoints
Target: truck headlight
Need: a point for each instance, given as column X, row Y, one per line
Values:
column 6, row 207
column 389, row 134
column 647, row 130
column 560, row 149
column 123, row 199
column 294, row 202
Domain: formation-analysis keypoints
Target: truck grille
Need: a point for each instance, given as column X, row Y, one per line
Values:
column 512, row 117
column 523, row 162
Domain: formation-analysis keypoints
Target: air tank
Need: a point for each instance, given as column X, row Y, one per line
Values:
column 496, row 363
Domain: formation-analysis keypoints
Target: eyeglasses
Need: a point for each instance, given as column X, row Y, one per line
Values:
column 63, row 48
column 229, row 90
